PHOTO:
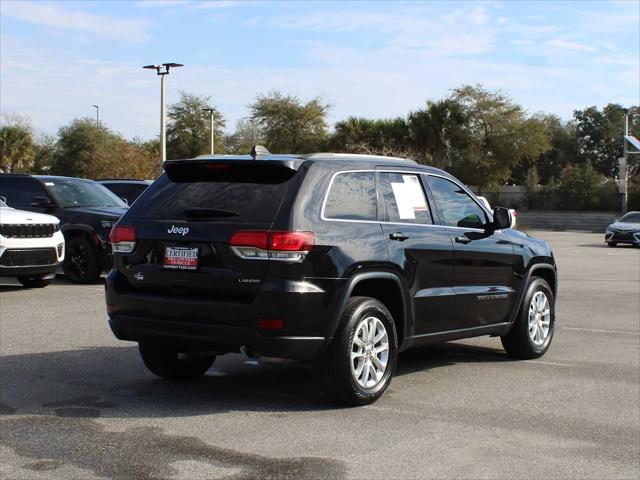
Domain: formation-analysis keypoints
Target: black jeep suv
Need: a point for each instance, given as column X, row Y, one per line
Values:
column 341, row 260
column 86, row 210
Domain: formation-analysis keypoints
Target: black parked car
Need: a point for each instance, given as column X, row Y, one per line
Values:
column 624, row 230
column 126, row 189
column 86, row 210
column 341, row 260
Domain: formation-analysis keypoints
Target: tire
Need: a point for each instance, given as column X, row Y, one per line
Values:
column 612, row 244
column 81, row 263
column 337, row 370
column 173, row 364
column 35, row 281
column 525, row 340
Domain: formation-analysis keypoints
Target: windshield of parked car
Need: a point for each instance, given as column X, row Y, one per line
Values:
column 632, row 217
column 74, row 192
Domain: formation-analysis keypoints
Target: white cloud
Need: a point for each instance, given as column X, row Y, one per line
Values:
column 160, row 3
column 365, row 61
column 58, row 17
column 561, row 44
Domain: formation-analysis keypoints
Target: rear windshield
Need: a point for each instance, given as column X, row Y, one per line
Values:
column 211, row 200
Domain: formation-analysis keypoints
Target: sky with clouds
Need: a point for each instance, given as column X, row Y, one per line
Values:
column 371, row 59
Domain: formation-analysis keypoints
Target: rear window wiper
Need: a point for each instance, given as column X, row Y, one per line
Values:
column 205, row 213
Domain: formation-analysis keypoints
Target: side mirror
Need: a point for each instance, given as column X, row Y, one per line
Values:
column 501, row 218
column 3, row 198
column 42, row 202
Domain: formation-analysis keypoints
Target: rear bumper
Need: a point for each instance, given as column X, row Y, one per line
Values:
column 308, row 311
column 221, row 338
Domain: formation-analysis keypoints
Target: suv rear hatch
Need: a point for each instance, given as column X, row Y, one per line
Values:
column 181, row 226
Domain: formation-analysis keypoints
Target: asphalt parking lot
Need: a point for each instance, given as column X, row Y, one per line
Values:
column 76, row 403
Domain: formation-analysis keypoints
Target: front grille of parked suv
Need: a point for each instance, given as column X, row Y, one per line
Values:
column 31, row 257
column 31, row 230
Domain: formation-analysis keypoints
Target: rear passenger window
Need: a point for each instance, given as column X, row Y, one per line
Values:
column 404, row 199
column 352, row 196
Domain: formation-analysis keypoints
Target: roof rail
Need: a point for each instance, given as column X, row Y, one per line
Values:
column 355, row 156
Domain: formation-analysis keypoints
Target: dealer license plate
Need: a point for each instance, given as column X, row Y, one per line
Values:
column 181, row 258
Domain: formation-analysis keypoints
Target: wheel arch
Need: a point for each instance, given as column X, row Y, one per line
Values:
column 79, row 230
column 386, row 288
column 547, row 273
column 541, row 270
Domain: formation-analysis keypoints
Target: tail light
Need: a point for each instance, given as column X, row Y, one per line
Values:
column 123, row 239
column 286, row 246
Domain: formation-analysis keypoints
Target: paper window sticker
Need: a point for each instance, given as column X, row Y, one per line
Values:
column 403, row 201
column 409, row 179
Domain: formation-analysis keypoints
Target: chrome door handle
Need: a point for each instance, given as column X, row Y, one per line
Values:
column 463, row 239
column 398, row 236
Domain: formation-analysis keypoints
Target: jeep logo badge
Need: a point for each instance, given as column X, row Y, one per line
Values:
column 179, row 230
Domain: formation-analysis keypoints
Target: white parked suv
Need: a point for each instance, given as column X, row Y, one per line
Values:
column 31, row 246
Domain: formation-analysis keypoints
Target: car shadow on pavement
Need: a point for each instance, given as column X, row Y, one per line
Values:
column 444, row 354
column 113, row 382
column 9, row 284
column 62, row 280
column 604, row 245
column 50, row 403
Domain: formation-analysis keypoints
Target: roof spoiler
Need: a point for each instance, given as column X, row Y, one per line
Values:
column 231, row 170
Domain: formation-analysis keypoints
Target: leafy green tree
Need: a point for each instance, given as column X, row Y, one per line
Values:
column 436, row 130
column 290, row 125
column 123, row 159
column 600, row 135
column 495, row 135
column 373, row 137
column 87, row 150
column 189, row 129
column 16, row 144
column 564, row 149
column 246, row 134
column 45, row 147
column 77, row 146
column 582, row 187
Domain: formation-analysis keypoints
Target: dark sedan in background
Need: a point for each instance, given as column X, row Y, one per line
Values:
column 624, row 230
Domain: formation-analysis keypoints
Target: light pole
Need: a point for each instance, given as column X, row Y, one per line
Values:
column 210, row 110
column 163, row 123
column 97, row 107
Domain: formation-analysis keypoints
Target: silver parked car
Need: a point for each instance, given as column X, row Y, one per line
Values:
column 624, row 230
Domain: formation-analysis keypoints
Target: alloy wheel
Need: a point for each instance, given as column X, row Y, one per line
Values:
column 539, row 318
column 369, row 352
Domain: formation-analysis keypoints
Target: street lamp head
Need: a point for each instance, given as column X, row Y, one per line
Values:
column 95, row 106
column 208, row 109
column 167, row 66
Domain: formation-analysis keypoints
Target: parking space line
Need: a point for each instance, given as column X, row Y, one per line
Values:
column 554, row 364
column 600, row 331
